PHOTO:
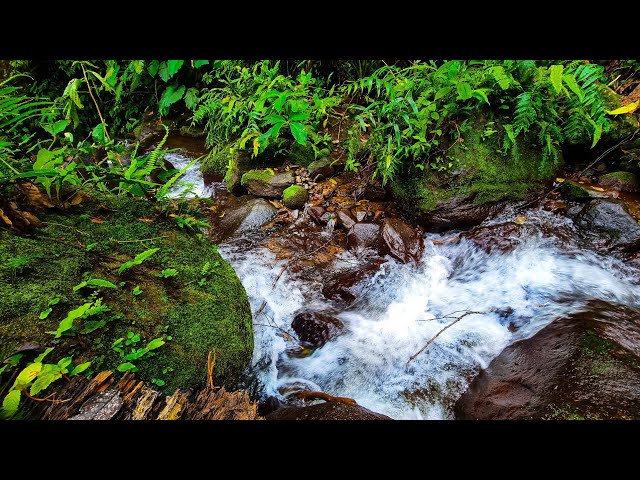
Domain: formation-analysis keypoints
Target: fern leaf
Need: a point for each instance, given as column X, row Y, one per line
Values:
column 555, row 73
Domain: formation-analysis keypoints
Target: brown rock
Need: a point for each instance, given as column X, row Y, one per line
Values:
column 400, row 240
column 316, row 328
column 326, row 411
column 459, row 212
column 503, row 237
column 586, row 365
column 363, row 235
column 345, row 219
column 346, row 286
column 318, row 214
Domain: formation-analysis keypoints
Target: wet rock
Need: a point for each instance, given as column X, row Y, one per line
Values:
column 316, row 328
column 622, row 181
column 374, row 192
column 264, row 183
column 321, row 168
column 345, row 219
column 363, row 235
column 575, row 192
column 400, row 240
column 348, row 285
column 360, row 215
column 319, row 215
column 459, row 212
column 502, row 237
column 246, row 213
column 586, row 365
column 326, row 411
column 294, row 197
column 239, row 165
column 608, row 224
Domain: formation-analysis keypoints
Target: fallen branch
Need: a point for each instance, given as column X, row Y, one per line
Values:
column 309, row 395
column 457, row 319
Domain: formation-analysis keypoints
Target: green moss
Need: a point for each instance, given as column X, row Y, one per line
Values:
column 302, row 154
column 591, row 342
column 572, row 191
column 294, row 196
column 259, row 175
column 626, row 177
column 566, row 412
column 215, row 316
column 216, row 162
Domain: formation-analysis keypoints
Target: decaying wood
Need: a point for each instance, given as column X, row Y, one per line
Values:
column 314, row 395
column 174, row 407
column 102, row 406
column 218, row 404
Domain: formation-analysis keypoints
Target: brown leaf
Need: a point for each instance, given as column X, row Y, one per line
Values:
column 32, row 219
column 78, row 198
column 6, row 219
column 34, row 195
column 97, row 220
column 147, row 219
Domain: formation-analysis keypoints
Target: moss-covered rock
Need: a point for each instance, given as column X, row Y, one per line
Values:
column 481, row 175
column 294, row 197
column 267, row 183
column 96, row 239
column 623, row 181
column 574, row 192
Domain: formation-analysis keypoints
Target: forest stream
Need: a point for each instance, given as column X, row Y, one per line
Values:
column 513, row 291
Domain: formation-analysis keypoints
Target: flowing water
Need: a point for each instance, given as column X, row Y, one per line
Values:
column 518, row 293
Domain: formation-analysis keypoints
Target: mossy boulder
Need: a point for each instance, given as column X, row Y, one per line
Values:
column 574, row 192
column 267, row 183
column 623, row 181
column 321, row 168
column 481, row 176
column 96, row 238
column 294, row 197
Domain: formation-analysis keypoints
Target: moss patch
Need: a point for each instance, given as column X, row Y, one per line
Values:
column 257, row 175
column 572, row 191
column 214, row 316
column 294, row 196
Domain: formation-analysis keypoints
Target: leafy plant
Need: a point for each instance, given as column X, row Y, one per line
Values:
column 141, row 257
column 168, row 272
column 136, row 291
column 94, row 282
column 134, row 353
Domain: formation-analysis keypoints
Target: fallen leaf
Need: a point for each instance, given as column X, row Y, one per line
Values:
column 146, row 219
column 597, row 189
column 34, row 195
column 6, row 219
column 31, row 218
column 220, row 216
column 521, row 219
column 630, row 108
column 78, row 198
column 97, row 220
column 559, row 179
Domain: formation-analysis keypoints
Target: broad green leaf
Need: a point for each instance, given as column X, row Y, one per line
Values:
column 98, row 134
column 510, row 133
column 274, row 119
column 79, row 286
column 11, row 401
column 442, row 92
column 137, row 260
column 191, row 98
column 571, row 82
column 163, row 71
column 13, row 360
column 155, row 343
column 54, row 301
column 153, row 67
column 464, row 90
column 40, row 357
column 44, row 380
column 280, row 101
column 136, row 355
column 67, row 323
column 596, row 134
column 79, row 368
column 44, row 314
column 47, row 159
column 481, row 95
column 71, row 91
column 123, row 367
column 200, row 63
column 98, row 282
column 65, row 362
column 630, row 108
column 170, row 96
column 300, row 116
column 92, row 326
column 28, row 373
column 556, row 77
column 173, row 66
column 60, row 125
column 299, row 133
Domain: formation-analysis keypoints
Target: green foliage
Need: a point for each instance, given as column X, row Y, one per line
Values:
column 168, row 272
column 134, row 353
column 141, row 257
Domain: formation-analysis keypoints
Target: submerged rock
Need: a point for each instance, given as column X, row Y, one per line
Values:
column 459, row 212
column 266, row 183
column 316, row 328
column 326, row 411
column 503, row 237
column 245, row 214
column 608, row 224
column 347, row 286
column 401, row 240
column 586, row 365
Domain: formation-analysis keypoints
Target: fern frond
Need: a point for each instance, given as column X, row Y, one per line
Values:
column 152, row 160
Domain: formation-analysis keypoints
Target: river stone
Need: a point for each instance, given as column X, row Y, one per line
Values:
column 316, row 328
column 345, row 219
column 586, row 365
column 346, row 286
column 319, row 214
column 321, row 168
column 363, row 235
column 238, row 166
column 459, row 212
column 400, row 240
column 502, row 237
column 622, row 181
column 264, row 183
column 294, row 197
column 326, row 411
column 608, row 224
column 247, row 213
